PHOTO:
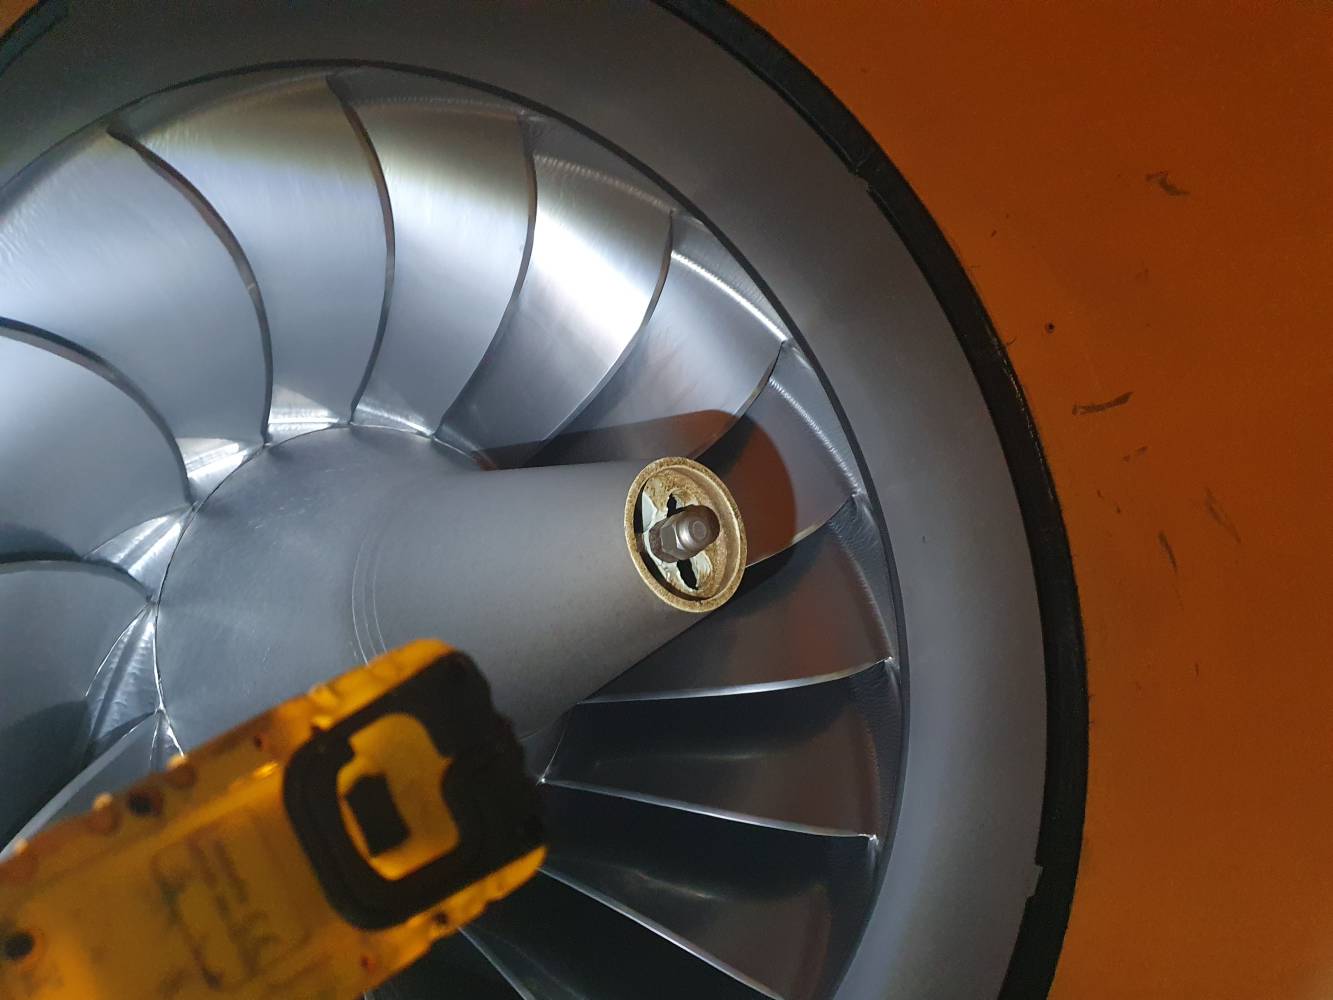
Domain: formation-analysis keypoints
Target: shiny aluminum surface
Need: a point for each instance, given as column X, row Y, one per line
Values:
column 449, row 303
column 122, row 763
column 56, row 449
column 807, row 231
column 461, row 198
column 810, row 758
column 58, row 620
column 314, row 240
column 701, row 358
column 758, row 900
column 125, row 690
column 100, row 249
column 785, row 459
column 599, row 256
column 776, row 631
column 368, row 538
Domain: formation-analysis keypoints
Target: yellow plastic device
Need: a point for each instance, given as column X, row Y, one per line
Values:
column 308, row 854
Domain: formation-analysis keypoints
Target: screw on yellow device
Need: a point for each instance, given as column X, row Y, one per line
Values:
column 310, row 853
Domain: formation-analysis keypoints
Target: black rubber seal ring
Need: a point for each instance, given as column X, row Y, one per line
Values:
column 1041, row 933
column 31, row 25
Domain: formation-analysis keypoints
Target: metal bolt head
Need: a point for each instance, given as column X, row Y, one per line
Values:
column 685, row 533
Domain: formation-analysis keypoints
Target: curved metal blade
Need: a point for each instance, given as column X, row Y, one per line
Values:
column 98, row 248
column 786, row 461
column 699, row 361
column 455, row 967
column 560, row 944
column 599, row 255
column 82, row 459
column 58, row 620
column 127, row 760
column 822, row 758
column 280, row 163
column 803, row 617
column 461, row 200
column 779, row 908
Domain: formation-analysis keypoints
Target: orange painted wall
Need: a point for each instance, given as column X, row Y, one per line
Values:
column 1143, row 194
column 11, row 10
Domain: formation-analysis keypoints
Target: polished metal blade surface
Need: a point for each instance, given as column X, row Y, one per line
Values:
column 786, row 460
column 599, row 255
column 804, row 616
column 281, row 164
column 82, row 459
column 778, row 907
column 462, row 197
column 701, row 358
column 820, row 758
column 560, row 944
column 58, row 620
column 99, row 248
column 124, row 762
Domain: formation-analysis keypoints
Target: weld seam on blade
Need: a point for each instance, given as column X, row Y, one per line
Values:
column 726, row 815
column 444, row 431
column 741, row 410
column 630, row 346
column 737, row 690
column 358, row 126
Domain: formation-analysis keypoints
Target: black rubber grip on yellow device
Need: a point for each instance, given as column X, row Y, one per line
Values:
column 486, row 788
